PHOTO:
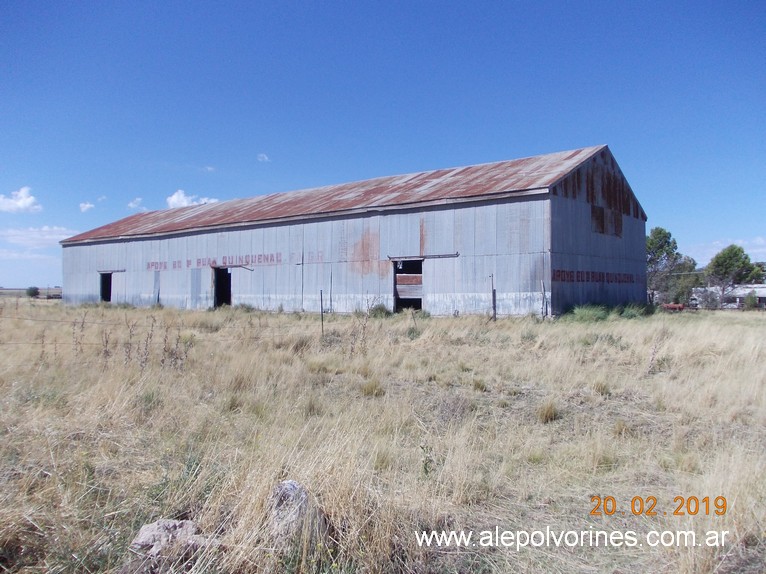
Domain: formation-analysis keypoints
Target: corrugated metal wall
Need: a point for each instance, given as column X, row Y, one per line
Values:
column 598, row 245
column 505, row 243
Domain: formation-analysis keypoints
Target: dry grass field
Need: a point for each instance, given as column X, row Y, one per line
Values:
column 112, row 418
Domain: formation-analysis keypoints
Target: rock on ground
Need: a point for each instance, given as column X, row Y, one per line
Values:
column 298, row 528
column 166, row 546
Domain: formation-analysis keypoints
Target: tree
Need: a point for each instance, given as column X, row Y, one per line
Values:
column 762, row 266
column 683, row 279
column 731, row 266
column 33, row 292
column 662, row 257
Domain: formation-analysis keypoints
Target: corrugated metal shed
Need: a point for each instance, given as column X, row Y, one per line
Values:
column 745, row 290
column 533, row 235
column 419, row 189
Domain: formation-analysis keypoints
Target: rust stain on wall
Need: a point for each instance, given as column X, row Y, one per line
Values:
column 604, row 186
column 423, row 236
column 365, row 254
column 384, row 269
column 409, row 279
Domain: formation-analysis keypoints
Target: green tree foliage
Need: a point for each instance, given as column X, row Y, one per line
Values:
column 731, row 266
column 684, row 278
column 33, row 291
column 661, row 259
column 762, row 266
column 669, row 274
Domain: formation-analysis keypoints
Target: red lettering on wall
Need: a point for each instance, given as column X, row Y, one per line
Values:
column 243, row 260
column 578, row 276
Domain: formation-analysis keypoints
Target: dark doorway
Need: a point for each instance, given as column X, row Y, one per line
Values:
column 106, row 287
column 408, row 284
column 402, row 304
column 221, row 286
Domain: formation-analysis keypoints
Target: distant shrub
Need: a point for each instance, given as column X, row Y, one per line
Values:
column 33, row 292
column 380, row 311
column 589, row 313
column 751, row 301
column 635, row 311
column 528, row 336
column 413, row 333
column 373, row 388
column 602, row 387
column 480, row 386
column 548, row 412
column 300, row 343
column 595, row 313
column 313, row 407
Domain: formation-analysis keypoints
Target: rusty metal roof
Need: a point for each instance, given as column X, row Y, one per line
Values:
column 411, row 190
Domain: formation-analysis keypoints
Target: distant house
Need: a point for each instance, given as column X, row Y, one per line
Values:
column 735, row 299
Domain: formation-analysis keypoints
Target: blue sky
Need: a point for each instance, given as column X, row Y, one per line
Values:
column 107, row 108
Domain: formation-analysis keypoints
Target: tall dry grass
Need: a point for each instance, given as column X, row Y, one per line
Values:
column 112, row 418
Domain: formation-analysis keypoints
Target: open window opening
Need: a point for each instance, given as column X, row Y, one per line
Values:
column 408, row 284
column 403, row 304
column 221, row 287
column 105, row 294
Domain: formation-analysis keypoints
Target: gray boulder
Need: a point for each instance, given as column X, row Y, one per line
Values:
column 167, row 546
column 297, row 527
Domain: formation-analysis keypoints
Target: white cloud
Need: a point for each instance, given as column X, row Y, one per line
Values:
column 101, row 198
column 10, row 255
column 20, row 201
column 755, row 247
column 209, row 168
column 180, row 199
column 263, row 158
column 136, row 204
column 85, row 206
column 36, row 237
